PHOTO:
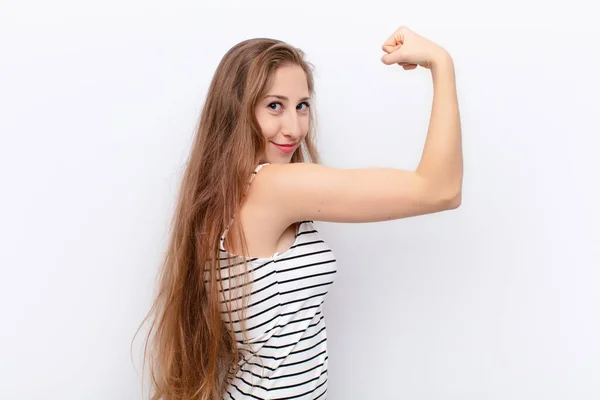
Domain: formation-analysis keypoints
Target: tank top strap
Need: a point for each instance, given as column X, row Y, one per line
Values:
column 258, row 168
column 224, row 235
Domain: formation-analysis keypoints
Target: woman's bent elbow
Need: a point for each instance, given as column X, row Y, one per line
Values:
column 449, row 200
column 453, row 201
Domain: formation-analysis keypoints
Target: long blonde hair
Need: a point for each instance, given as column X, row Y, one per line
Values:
column 189, row 349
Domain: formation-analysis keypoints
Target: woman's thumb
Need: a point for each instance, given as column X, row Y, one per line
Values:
column 394, row 57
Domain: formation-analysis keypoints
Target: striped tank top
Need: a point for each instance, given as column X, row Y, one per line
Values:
column 284, row 352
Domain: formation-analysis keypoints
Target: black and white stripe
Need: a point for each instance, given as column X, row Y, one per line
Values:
column 286, row 353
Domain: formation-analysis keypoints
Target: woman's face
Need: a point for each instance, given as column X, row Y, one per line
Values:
column 283, row 114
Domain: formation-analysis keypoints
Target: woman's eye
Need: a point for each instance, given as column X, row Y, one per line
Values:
column 305, row 104
column 273, row 106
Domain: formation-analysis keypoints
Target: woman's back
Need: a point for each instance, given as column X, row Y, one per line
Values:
column 284, row 351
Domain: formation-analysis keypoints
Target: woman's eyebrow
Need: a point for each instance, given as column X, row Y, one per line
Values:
column 280, row 97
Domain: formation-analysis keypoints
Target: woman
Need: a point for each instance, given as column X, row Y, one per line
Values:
column 239, row 309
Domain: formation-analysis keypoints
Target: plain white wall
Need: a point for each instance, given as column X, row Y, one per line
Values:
column 498, row 300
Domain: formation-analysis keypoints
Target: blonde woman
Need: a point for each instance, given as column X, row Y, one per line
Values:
column 238, row 314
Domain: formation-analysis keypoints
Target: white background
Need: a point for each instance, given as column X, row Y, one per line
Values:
column 499, row 299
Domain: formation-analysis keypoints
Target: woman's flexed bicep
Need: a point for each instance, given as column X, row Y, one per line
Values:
column 302, row 191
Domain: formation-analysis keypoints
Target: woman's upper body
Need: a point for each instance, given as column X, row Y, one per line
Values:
column 284, row 193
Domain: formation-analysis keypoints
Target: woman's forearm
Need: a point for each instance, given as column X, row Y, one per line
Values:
column 442, row 159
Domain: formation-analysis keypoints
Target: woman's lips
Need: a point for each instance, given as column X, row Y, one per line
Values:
column 285, row 148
